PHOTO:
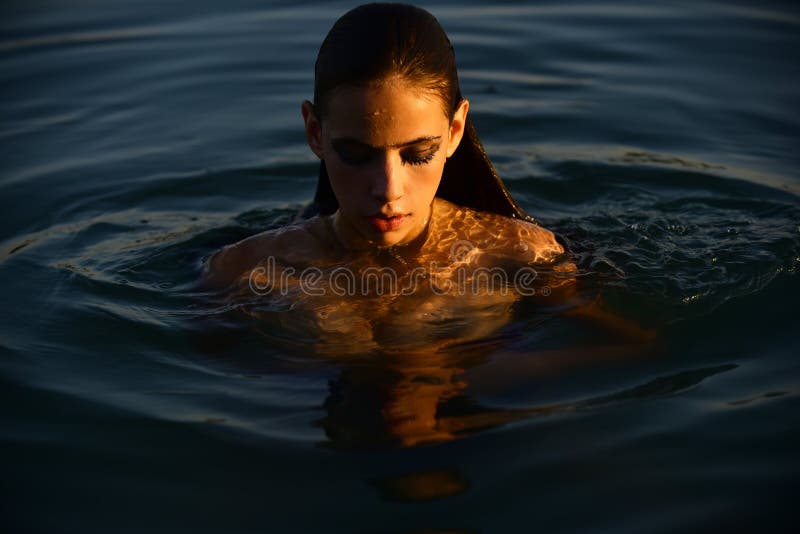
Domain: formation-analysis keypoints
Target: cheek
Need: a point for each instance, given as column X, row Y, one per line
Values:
column 429, row 176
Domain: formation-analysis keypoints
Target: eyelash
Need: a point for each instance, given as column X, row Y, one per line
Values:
column 350, row 159
column 420, row 160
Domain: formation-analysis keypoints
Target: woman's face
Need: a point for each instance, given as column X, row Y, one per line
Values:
column 384, row 147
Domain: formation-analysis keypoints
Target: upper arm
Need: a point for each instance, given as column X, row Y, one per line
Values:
column 288, row 244
column 232, row 261
column 225, row 266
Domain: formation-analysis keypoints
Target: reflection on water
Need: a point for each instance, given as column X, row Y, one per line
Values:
column 385, row 404
column 422, row 485
column 391, row 403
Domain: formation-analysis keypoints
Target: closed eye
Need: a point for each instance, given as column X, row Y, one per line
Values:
column 414, row 157
column 355, row 153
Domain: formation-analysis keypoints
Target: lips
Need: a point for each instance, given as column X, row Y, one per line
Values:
column 386, row 223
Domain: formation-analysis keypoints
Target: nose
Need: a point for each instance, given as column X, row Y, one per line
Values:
column 387, row 185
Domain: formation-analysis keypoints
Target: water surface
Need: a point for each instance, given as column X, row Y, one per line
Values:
column 658, row 140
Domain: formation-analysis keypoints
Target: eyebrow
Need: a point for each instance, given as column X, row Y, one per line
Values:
column 396, row 145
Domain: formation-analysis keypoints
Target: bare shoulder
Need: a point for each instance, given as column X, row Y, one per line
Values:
column 499, row 235
column 538, row 239
column 290, row 245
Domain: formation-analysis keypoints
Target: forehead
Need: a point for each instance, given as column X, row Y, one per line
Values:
column 386, row 113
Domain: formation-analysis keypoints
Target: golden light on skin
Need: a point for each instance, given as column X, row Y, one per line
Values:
column 384, row 146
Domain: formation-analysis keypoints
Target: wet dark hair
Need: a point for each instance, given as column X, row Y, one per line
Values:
column 376, row 41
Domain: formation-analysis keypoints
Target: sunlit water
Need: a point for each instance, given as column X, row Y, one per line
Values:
column 659, row 141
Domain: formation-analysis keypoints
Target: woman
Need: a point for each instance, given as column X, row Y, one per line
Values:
column 404, row 187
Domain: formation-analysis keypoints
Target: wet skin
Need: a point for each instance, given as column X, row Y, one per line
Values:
column 384, row 146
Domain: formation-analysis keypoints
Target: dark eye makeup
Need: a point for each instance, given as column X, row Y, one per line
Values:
column 354, row 153
column 420, row 158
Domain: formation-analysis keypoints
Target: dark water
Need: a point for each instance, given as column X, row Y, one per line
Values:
column 659, row 140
